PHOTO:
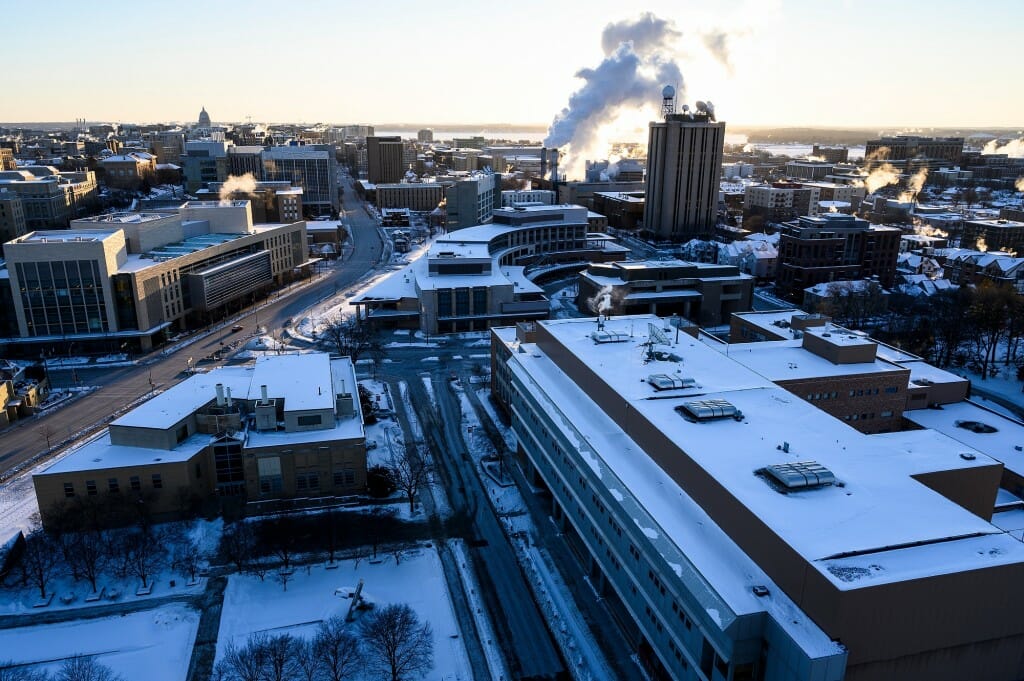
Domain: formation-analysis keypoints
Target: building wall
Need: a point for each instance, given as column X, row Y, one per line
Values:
column 871, row 403
column 684, row 164
column 12, row 216
column 384, row 159
column 420, row 197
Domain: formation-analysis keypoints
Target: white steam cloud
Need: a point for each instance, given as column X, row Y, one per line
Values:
column 914, row 186
column 639, row 60
column 1013, row 148
column 717, row 43
column 1019, row 184
column 246, row 184
column 881, row 175
column 601, row 301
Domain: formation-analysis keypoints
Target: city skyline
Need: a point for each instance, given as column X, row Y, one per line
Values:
column 764, row 64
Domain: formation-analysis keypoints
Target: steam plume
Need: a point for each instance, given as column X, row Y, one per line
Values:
column 717, row 43
column 1013, row 148
column 1019, row 184
column 981, row 245
column 246, row 184
column 879, row 176
column 914, row 186
column 601, row 301
column 638, row 62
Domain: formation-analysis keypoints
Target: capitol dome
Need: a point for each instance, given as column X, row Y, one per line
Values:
column 204, row 119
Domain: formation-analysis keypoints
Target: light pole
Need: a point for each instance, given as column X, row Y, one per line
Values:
column 188, row 366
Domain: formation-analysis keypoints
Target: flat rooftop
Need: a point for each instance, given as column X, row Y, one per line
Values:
column 302, row 381
column 956, row 421
column 65, row 235
column 878, row 507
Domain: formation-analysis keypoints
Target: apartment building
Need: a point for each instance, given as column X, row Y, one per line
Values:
column 835, row 247
column 778, row 202
column 127, row 171
column 12, row 215
column 994, row 235
column 128, row 279
column 285, row 427
column 739, row 532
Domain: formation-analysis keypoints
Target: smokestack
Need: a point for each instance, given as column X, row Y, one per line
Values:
column 544, row 162
column 554, row 168
column 263, row 394
column 220, row 394
column 229, row 402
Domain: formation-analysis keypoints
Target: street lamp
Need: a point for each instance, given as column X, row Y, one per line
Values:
column 188, row 366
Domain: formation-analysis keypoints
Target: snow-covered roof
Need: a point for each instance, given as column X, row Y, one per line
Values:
column 879, row 506
column 1002, row 444
column 100, row 454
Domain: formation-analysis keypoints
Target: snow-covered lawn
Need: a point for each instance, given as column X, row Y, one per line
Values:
column 154, row 644
column 252, row 606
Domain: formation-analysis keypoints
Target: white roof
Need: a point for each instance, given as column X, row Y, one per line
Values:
column 101, row 454
column 1000, row 445
column 879, row 506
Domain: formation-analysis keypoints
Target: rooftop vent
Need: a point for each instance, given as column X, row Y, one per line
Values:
column 666, row 382
column 799, row 475
column 708, row 410
column 976, row 427
column 609, row 337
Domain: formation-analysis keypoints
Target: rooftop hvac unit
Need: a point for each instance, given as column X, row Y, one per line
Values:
column 708, row 410
column 609, row 337
column 800, row 475
column 666, row 382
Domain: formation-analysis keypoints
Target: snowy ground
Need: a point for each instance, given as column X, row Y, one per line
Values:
column 158, row 641
column 252, row 606
column 71, row 595
column 1005, row 385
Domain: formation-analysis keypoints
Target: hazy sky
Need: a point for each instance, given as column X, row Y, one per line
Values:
column 795, row 62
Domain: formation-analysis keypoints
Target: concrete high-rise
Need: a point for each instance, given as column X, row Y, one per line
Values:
column 384, row 159
column 684, row 164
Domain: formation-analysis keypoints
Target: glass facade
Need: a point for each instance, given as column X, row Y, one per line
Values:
column 62, row 297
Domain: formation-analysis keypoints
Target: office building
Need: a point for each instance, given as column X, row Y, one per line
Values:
column 703, row 293
column 809, row 170
column 246, row 159
column 831, row 154
column 128, row 279
column 273, row 202
column 50, row 198
column 7, row 161
column 313, row 167
column 419, row 196
column 167, row 145
column 942, row 150
column 384, row 159
column 478, row 277
column 471, row 201
column 536, row 197
column 287, row 427
column 425, row 136
column 128, row 170
column 736, row 531
column 203, row 162
column 835, row 247
column 684, row 164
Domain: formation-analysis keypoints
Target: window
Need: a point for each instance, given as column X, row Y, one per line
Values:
column 69, row 490
column 182, row 433
column 886, row 414
column 344, row 477
column 310, row 420
column 308, row 480
column 90, row 487
column 135, row 483
column 158, row 481
column 112, row 486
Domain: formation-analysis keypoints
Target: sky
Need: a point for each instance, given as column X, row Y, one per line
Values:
column 869, row 63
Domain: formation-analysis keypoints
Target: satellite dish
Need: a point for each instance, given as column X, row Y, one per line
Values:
column 656, row 335
column 701, row 106
column 686, row 107
column 668, row 92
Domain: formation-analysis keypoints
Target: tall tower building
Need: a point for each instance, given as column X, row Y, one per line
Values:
column 384, row 159
column 684, row 164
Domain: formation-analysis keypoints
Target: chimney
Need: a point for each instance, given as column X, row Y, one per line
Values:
column 220, row 394
column 544, row 163
column 229, row 397
column 263, row 394
column 554, row 170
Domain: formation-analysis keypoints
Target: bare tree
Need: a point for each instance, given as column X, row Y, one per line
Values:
column 238, row 543
column 9, row 671
column 338, row 651
column 87, row 554
column 348, row 337
column 282, row 534
column 279, row 658
column 187, row 558
column 282, row 577
column 144, row 554
column 40, row 560
column 47, row 432
column 307, row 664
column 398, row 645
column 410, row 471
column 246, row 663
column 80, row 668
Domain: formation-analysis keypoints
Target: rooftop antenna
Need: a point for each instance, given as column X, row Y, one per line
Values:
column 668, row 101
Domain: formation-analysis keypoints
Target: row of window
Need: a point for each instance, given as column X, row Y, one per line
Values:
column 113, row 485
column 307, row 481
